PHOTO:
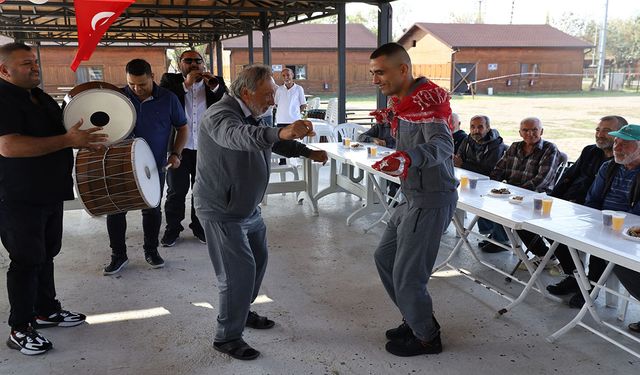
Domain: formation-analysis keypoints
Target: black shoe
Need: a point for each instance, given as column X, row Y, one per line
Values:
column 28, row 341
column 567, row 286
column 154, row 259
column 399, row 333
column 117, row 264
column 169, row 238
column 258, row 322
column 403, row 331
column 200, row 236
column 413, row 346
column 492, row 248
column 576, row 301
column 62, row 318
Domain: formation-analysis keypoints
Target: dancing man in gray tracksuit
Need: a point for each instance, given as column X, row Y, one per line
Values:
column 419, row 115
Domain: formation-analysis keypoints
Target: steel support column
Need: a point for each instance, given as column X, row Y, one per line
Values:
column 384, row 36
column 342, row 63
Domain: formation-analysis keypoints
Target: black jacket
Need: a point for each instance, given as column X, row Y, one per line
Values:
column 380, row 131
column 173, row 82
column 576, row 181
column 482, row 157
column 458, row 138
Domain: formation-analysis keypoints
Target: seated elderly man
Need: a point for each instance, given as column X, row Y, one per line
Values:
column 530, row 164
column 616, row 186
column 458, row 134
column 574, row 186
column 479, row 152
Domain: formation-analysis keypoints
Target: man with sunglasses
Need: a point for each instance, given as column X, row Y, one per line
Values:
column 197, row 90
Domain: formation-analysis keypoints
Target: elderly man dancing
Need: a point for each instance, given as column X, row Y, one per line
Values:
column 231, row 179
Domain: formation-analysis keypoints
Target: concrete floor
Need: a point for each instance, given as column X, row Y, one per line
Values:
column 322, row 290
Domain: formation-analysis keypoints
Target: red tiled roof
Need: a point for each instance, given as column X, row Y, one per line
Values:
column 457, row 35
column 309, row 36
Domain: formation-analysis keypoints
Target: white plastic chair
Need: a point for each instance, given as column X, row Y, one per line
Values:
column 322, row 130
column 349, row 130
column 313, row 103
column 282, row 170
column 332, row 112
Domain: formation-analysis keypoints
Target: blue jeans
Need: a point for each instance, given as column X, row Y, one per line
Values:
column 496, row 231
column 238, row 251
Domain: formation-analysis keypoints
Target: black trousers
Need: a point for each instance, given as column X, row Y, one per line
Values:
column 32, row 234
column 178, row 183
column 151, row 222
column 596, row 265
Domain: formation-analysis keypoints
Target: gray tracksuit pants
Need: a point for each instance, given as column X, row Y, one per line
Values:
column 238, row 251
column 405, row 258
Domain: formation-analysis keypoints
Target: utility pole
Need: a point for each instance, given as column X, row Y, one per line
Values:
column 513, row 5
column 602, row 49
column 479, row 19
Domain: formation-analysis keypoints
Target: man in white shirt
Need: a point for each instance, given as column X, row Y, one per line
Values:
column 290, row 101
column 196, row 90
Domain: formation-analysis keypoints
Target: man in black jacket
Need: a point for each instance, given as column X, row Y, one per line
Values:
column 197, row 90
column 574, row 186
column 481, row 149
column 479, row 152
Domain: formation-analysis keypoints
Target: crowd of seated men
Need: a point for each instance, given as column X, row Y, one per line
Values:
column 603, row 177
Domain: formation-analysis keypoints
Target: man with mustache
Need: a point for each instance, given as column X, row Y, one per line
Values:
column 574, row 186
column 36, row 162
column 197, row 90
column 479, row 152
column 233, row 170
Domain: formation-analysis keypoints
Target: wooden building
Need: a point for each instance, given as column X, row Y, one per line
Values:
column 500, row 58
column 311, row 51
column 106, row 64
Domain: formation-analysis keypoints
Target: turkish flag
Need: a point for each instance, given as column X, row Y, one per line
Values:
column 93, row 18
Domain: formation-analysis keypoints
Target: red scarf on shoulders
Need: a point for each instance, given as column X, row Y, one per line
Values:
column 426, row 103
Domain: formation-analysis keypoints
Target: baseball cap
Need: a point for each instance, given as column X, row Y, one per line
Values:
column 629, row 132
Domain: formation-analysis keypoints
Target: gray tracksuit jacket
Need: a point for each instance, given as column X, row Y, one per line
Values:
column 234, row 161
column 430, row 181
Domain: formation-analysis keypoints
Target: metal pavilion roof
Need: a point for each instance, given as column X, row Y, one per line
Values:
column 162, row 22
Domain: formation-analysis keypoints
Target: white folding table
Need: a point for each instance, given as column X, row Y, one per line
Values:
column 587, row 234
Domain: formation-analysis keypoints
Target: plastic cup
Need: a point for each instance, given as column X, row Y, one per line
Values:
column 617, row 221
column 546, row 205
column 464, row 182
column 607, row 217
column 473, row 182
column 372, row 151
column 346, row 142
column 537, row 203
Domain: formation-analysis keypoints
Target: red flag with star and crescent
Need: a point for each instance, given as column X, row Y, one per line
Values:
column 93, row 18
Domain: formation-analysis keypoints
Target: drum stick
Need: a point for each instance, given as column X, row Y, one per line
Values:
column 166, row 167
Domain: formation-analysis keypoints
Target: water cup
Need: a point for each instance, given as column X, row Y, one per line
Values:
column 537, row 203
column 617, row 221
column 473, row 182
column 464, row 182
column 372, row 151
column 607, row 217
column 346, row 142
column 546, row 205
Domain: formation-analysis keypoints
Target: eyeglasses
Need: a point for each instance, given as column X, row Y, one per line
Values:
column 189, row 60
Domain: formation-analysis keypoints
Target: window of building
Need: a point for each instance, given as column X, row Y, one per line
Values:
column 89, row 73
column 299, row 71
column 531, row 70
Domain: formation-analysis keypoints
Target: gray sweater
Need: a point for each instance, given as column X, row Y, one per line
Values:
column 430, row 181
column 234, row 162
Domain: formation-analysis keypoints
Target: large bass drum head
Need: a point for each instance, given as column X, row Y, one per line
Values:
column 100, row 104
column 145, row 171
